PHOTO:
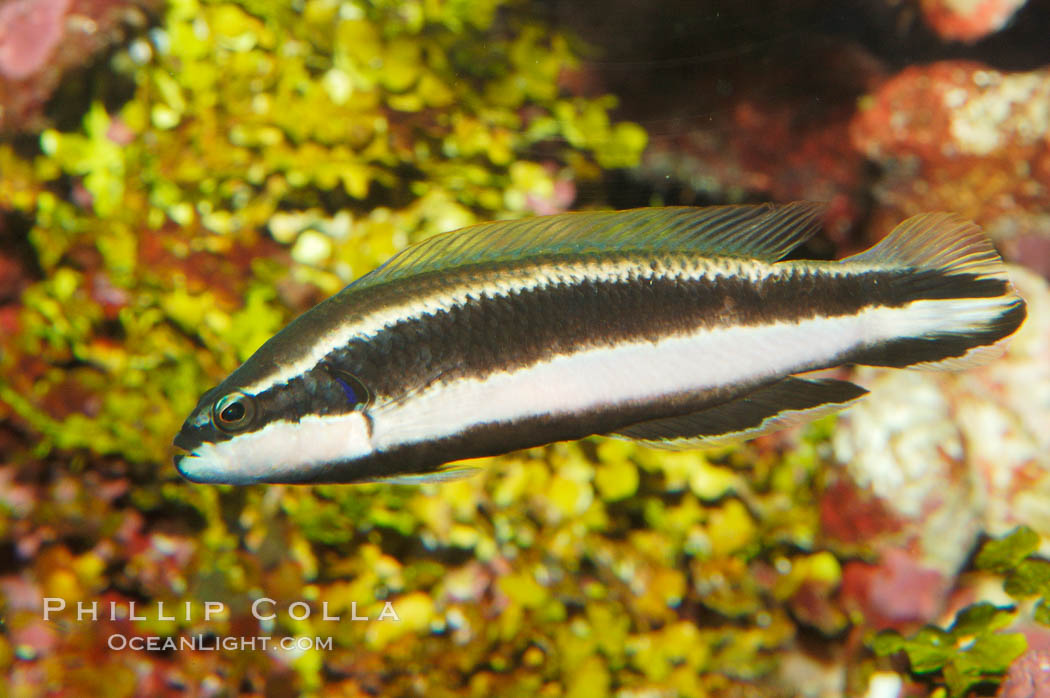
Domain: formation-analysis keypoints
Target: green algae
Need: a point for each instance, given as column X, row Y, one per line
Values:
column 969, row 652
column 973, row 650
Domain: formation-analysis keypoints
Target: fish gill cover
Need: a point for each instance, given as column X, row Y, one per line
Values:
column 204, row 171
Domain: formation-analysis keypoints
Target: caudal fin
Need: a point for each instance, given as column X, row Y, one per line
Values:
column 965, row 304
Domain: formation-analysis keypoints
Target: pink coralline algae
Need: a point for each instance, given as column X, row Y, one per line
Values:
column 1029, row 676
column 963, row 137
column 42, row 39
column 968, row 20
column 29, row 32
column 954, row 110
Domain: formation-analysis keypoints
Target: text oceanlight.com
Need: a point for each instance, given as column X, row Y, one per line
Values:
column 205, row 643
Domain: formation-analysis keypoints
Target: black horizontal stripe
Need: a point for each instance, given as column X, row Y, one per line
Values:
column 497, row 333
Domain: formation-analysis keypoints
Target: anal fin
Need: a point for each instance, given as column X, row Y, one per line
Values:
column 783, row 404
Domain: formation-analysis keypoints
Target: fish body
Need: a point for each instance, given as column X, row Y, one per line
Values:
column 676, row 326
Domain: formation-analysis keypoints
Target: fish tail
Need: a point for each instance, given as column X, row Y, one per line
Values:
column 961, row 305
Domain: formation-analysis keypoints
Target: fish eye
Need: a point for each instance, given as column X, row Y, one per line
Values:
column 233, row 411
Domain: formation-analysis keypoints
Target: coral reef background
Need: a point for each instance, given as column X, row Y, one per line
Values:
column 180, row 179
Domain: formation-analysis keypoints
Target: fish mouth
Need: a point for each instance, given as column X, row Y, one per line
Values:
column 191, row 463
column 180, row 458
column 194, row 468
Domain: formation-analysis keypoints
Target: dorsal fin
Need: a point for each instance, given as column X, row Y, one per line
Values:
column 943, row 241
column 764, row 231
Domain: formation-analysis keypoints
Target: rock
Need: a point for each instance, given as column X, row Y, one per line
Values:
column 963, row 137
column 783, row 143
column 968, row 20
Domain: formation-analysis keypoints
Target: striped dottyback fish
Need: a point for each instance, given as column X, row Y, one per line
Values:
column 676, row 326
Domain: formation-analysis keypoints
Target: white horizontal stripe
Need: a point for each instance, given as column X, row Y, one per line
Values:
column 620, row 375
column 642, row 371
column 511, row 281
column 281, row 450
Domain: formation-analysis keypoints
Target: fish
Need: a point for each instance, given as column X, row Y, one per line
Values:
column 675, row 326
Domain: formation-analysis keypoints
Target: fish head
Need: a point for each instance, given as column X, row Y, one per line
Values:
column 313, row 428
